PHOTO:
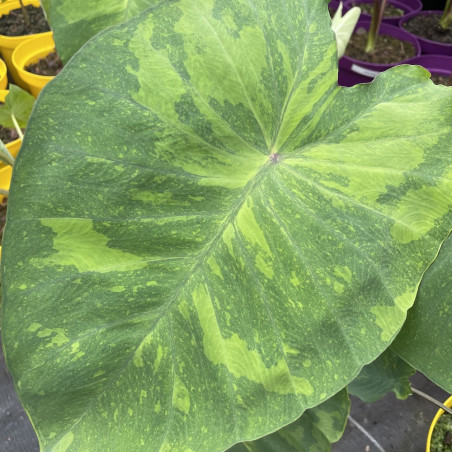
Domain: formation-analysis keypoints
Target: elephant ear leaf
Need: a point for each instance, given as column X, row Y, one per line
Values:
column 220, row 236
column 387, row 373
column 74, row 22
column 425, row 340
column 316, row 429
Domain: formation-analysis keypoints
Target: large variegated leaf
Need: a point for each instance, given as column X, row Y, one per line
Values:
column 315, row 430
column 75, row 21
column 387, row 373
column 207, row 235
column 425, row 340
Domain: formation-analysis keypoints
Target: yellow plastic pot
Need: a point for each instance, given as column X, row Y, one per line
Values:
column 30, row 52
column 3, row 76
column 13, row 147
column 6, row 171
column 447, row 403
column 9, row 43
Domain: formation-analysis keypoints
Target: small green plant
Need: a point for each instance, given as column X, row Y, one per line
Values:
column 446, row 17
column 16, row 110
column 14, row 113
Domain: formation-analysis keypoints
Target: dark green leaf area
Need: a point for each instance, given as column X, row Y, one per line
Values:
column 315, row 430
column 387, row 373
column 425, row 340
column 74, row 22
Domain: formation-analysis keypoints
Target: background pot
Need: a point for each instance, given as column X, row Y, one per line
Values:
column 9, row 43
column 409, row 6
column 333, row 5
column 448, row 403
column 436, row 64
column 3, row 75
column 428, row 46
column 353, row 71
column 30, row 52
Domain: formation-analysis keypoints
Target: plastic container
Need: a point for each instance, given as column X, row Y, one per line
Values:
column 409, row 6
column 30, row 52
column 353, row 71
column 9, row 43
column 435, row 64
column 447, row 403
column 3, row 75
column 428, row 46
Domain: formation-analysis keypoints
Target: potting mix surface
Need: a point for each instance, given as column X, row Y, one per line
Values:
column 14, row 23
column 388, row 50
column 427, row 26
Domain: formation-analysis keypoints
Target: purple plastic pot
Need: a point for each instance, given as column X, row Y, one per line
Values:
column 428, row 46
column 333, row 4
column 352, row 71
column 409, row 6
column 435, row 64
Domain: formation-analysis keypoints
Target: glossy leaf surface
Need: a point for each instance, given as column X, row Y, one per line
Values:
column 425, row 340
column 316, row 430
column 76, row 21
column 207, row 236
column 387, row 373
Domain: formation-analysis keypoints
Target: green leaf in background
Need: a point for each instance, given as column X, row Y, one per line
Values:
column 5, row 155
column 45, row 4
column 76, row 21
column 315, row 430
column 387, row 373
column 425, row 340
column 17, row 107
column 206, row 235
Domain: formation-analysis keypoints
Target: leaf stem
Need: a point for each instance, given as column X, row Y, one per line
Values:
column 16, row 125
column 5, row 155
column 431, row 399
column 366, row 433
column 25, row 15
column 377, row 16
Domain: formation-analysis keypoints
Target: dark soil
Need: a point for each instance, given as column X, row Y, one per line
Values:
column 7, row 135
column 441, row 80
column 427, row 26
column 13, row 24
column 50, row 65
column 388, row 50
column 390, row 10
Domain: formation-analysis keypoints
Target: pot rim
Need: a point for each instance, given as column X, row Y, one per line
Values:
column 439, row 413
